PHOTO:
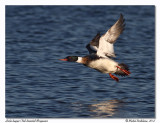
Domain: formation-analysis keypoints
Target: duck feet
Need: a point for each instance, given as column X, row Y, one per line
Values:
column 113, row 77
column 125, row 71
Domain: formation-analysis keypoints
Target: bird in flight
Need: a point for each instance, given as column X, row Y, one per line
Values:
column 101, row 52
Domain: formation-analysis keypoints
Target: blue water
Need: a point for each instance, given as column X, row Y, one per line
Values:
column 38, row 85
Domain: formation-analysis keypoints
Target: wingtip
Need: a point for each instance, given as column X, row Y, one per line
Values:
column 121, row 15
column 98, row 33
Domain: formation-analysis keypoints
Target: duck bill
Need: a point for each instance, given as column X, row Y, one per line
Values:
column 63, row 59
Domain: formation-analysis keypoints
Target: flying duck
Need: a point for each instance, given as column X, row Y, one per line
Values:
column 101, row 52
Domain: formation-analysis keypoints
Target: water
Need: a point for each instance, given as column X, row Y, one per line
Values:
column 38, row 85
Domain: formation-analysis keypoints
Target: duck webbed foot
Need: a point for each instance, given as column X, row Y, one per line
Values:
column 123, row 70
column 113, row 77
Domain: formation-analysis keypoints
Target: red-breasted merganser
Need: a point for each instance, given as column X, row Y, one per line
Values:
column 101, row 50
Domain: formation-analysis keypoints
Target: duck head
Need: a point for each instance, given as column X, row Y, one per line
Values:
column 70, row 58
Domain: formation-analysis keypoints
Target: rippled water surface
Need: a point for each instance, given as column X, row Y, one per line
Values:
column 38, row 85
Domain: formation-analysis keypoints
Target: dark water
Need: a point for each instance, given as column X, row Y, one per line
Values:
column 38, row 85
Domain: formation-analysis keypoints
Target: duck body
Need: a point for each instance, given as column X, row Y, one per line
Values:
column 103, row 65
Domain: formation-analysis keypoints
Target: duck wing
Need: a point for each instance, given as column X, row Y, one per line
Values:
column 94, row 44
column 106, row 41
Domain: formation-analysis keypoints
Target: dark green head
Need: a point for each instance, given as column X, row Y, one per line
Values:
column 70, row 58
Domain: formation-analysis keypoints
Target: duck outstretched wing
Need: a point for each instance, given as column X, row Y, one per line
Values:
column 106, row 42
column 103, row 45
column 94, row 44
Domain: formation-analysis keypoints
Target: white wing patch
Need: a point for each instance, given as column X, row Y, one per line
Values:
column 105, row 48
column 93, row 48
